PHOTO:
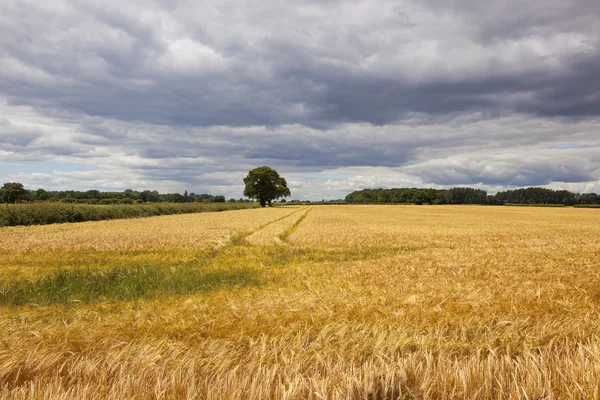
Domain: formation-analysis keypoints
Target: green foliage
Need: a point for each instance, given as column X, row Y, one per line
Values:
column 41, row 194
column 126, row 197
column 265, row 185
column 399, row 196
column 11, row 192
column 59, row 212
column 121, row 283
column 466, row 195
column 536, row 195
column 174, row 198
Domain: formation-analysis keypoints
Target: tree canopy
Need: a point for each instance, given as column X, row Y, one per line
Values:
column 265, row 185
column 466, row 195
column 11, row 192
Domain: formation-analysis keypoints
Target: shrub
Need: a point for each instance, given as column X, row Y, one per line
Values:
column 59, row 212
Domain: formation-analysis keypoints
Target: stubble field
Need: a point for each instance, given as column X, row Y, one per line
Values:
column 323, row 302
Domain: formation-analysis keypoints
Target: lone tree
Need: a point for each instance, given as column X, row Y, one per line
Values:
column 11, row 192
column 264, row 184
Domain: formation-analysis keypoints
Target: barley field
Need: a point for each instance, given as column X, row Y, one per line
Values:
column 321, row 302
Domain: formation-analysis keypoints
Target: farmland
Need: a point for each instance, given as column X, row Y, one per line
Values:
column 321, row 302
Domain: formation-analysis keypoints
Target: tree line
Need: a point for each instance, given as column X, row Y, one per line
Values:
column 467, row 195
column 263, row 184
column 13, row 192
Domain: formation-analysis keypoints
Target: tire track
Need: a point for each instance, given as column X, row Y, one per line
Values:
column 279, row 231
column 240, row 239
column 285, row 235
column 247, row 237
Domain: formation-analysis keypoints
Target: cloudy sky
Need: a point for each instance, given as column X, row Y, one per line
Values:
column 336, row 95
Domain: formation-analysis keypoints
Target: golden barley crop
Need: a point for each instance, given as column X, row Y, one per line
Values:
column 32, row 251
column 169, row 231
column 338, row 302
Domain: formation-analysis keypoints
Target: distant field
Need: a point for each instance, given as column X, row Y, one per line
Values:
column 305, row 302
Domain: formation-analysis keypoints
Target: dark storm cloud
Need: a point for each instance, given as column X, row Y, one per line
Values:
column 575, row 93
column 327, row 151
column 291, row 151
column 177, row 90
column 108, row 62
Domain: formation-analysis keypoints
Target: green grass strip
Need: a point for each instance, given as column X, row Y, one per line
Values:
column 122, row 283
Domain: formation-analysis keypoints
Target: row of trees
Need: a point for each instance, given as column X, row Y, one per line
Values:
column 536, row 195
column 12, row 192
column 466, row 195
column 418, row 196
column 263, row 184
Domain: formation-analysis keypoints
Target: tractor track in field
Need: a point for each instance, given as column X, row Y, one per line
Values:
column 279, row 230
column 285, row 235
column 273, row 232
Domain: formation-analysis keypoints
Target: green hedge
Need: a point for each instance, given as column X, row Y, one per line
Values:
column 54, row 213
column 587, row 205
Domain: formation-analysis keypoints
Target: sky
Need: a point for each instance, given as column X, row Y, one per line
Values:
column 337, row 96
